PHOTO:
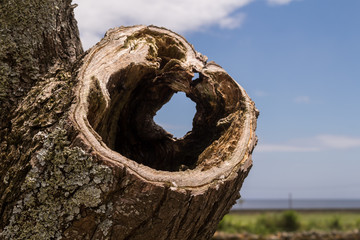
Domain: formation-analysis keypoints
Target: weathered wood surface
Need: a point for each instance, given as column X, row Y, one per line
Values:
column 81, row 157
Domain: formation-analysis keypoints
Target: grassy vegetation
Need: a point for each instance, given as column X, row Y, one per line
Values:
column 271, row 222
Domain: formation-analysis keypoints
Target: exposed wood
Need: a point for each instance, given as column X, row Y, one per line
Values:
column 81, row 157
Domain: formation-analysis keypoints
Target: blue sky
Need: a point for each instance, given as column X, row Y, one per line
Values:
column 299, row 60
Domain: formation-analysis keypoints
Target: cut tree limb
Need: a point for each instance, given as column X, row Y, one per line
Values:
column 90, row 163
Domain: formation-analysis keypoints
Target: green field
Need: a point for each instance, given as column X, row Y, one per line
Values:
column 271, row 222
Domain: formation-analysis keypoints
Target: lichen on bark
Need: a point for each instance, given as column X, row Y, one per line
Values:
column 62, row 181
column 36, row 37
column 42, row 108
column 56, row 179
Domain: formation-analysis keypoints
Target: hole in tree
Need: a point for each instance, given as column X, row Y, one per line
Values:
column 177, row 115
column 128, row 125
column 125, row 119
column 196, row 76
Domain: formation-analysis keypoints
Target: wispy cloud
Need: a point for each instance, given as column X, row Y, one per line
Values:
column 284, row 148
column 260, row 93
column 302, row 99
column 339, row 142
column 313, row 144
column 95, row 17
column 279, row 2
column 232, row 22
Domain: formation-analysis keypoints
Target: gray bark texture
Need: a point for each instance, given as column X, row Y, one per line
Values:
column 80, row 154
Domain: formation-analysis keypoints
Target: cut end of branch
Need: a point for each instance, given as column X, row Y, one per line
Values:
column 128, row 76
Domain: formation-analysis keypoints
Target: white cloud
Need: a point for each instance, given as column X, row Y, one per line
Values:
column 260, row 93
column 284, row 148
column 279, row 2
column 312, row 144
column 302, row 99
column 232, row 21
column 339, row 142
column 96, row 17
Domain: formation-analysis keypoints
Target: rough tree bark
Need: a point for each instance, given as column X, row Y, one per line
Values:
column 81, row 157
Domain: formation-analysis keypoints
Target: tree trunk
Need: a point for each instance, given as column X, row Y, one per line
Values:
column 81, row 157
